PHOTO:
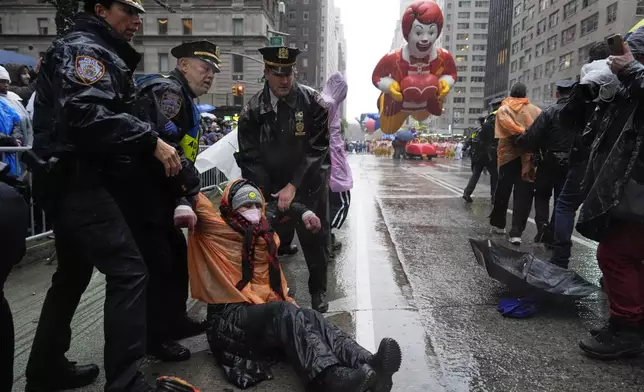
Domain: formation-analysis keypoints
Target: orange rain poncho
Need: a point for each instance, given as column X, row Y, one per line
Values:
column 513, row 118
column 215, row 261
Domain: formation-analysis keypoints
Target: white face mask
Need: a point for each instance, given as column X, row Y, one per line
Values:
column 252, row 215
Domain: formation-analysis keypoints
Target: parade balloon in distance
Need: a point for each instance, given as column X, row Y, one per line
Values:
column 416, row 78
column 370, row 123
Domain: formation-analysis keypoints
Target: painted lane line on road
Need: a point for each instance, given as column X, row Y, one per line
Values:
column 388, row 197
column 365, row 334
column 450, row 187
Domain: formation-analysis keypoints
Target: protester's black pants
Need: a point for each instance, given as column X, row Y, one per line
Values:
column 310, row 343
column 551, row 176
column 314, row 245
column 339, row 203
column 14, row 216
column 477, row 169
column 509, row 180
column 91, row 232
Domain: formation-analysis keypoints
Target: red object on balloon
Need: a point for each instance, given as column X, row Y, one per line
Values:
column 419, row 88
column 371, row 125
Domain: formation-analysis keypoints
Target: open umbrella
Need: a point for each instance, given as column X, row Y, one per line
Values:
column 10, row 57
column 529, row 275
column 405, row 135
column 205, row 108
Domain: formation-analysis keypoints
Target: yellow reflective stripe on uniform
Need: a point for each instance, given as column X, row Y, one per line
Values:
column 190, row 147
column 494, row 112
column 637, row 26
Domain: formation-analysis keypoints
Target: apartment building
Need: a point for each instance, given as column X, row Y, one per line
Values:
column 239, row 27
column 304, row 23
column 551, row 38
column 465, row 36
column 499, row 41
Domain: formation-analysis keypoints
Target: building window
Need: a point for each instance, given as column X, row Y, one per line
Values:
column 512, row 82
column 523, row 41
column 550, row 68
column 541, row 26
column 464, row 3
column 528, row 55
column 517, row 10
column 485, row 4
column 291, row 15
column 305, row 15
column 481, row 26
column 568, row 35
column 478, row 58
column 543, row 4
column 461, row 68
column 480, row 36
column 584, row 53
column 463, row 37
column 552, row 43
column 553, row 19
column 524, row 23
column 463, row 15
column 305, row 62
column 305, row 31
column 640, row 7
column 586, row 3
column 0, row 25
column 305, row 47
column 514, row 66
column 461, row 79
column 164, row 63
column 238, row 26
column 460, row 90
column 162, row 26
column 475, row 110
column 565, row 61
column 462, row 48
column 539, row 49
column 515, row 47
column 476, row 90
column 516, row 29
column 462, row 26
column 531, row 12
column 478, row 68
column 611, row 13
column 589, row 24
column 570, row 9
column 522, row 62
column 479, row 47
column 238, row 101
column 529, row 34
column 449, row 17
column 483, row 15
column 187, row 26
column 238, row 64
column 43, row 26
column 538, row 72
column 461, row 59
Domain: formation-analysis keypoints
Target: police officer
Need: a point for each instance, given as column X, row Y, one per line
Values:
column 85, row 121
column 552, row 141
column 283, row 148
column 166, row 102
column 481, row 142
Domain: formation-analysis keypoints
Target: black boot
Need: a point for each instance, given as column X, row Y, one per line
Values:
column 386, row 362
column 343, row 379
column 187, row 328
column 287, row 250
column 318, row 302
column 169, row 351
column 73, row 376
column 617, row 340
column 467, row 198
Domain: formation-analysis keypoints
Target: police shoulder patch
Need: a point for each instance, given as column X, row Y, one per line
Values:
column 89, row 70
column 170, row 104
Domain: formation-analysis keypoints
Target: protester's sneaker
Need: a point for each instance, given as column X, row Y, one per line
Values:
column 169, row 351
column 614, row 341
column 344, row 379
column 467, row 198
column 73, row 376
column 289, row 250
column 386, row 362
column 318, row 302
column 497, row 230
column 515, row 241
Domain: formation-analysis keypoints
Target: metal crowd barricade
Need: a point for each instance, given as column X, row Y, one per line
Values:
column 210, row 180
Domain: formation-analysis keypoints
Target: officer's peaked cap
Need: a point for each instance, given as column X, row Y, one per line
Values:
column 280, row 59
column 203, row 50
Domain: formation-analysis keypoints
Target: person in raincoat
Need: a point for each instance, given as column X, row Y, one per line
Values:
column 516, row 171
column 341, row 181
column 10, row 124
column 23, row 81
column 234, row 267
column 613, row 211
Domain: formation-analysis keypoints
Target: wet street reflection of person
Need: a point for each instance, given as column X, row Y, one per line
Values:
column 283, row 148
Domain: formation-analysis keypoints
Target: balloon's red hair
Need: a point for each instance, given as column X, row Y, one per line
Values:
column 424, row 11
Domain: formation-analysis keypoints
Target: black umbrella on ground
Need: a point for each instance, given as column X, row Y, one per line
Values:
column 529, row 275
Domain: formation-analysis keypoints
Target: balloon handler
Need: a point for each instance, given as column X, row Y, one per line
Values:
column 234, row 268
column 415, row 79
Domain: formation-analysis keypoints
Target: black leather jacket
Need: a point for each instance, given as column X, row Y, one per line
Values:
column 85, row 111
column 547, row 134
column 295, row 151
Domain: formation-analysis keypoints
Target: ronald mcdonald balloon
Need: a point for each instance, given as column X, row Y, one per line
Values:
column 415, row 79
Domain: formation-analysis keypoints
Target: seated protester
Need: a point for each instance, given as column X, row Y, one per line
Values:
column 233, row 266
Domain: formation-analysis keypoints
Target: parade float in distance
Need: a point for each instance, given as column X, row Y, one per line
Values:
column 414, row 79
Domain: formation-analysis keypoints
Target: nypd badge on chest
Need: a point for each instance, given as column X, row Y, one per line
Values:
column 299, row 124
column 170, row 104
column 89, row 70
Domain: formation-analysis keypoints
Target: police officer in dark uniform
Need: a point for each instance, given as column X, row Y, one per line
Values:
column 85, row 122
column 481, row 142
column 283, row 148
column 166, row 102
column 552, row 141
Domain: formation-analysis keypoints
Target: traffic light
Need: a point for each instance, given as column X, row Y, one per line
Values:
column 240, row 90
column 235, row 90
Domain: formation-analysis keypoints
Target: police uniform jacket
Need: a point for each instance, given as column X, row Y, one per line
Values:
column 291, row 146
column 84, row 111
column 547, row 134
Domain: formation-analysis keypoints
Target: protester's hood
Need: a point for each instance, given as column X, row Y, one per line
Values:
column 229, row 192
column 515, row 104
column 598, row 73
column 636, row 43
column 336, row 87
column 15, row 70
column 4, row 74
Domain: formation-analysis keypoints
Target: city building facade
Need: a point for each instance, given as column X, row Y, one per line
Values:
column 499, row 41
column 465, row 37
column 551, row 39
column 239, row 27
column 303, row 24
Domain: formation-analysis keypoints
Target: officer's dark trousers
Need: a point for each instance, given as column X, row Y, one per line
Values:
column 510, row 182
column 91, row 232
column 314, row 245
column 477, row 169
column 551, row 176
column 14, row 215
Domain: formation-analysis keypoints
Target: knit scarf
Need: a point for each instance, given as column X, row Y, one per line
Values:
column 251, row 233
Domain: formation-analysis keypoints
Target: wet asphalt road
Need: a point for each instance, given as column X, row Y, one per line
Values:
column 405, row 271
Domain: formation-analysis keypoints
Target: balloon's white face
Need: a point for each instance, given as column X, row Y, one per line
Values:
column 421, row 38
